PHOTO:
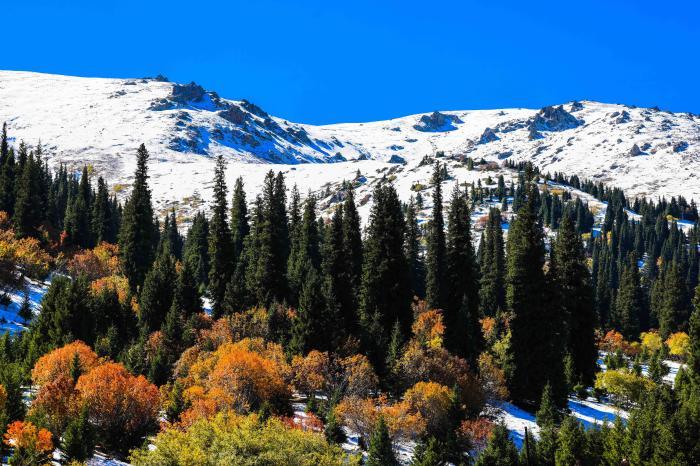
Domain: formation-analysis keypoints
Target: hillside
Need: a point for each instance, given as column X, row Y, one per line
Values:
column 101, row 121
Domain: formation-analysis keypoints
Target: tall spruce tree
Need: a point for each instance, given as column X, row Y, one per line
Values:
column 138, row 234
column 414, row 258
column 239, row 220
column 220, row 240
column 353, row 250
column 527, row 300
column 463, row 331
column 385, row 292
column 575, row 323
column 157, row 293
column 196, row 248
column 629, row 302
column 436, row 256
column 492, row 295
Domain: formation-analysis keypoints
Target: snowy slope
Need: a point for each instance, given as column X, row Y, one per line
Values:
column 102, row 121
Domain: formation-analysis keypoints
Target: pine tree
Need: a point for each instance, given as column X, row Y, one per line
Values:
column 138, row 234
column 436, row 256
column 239, row 219
column 630, row 300
column 463, row 331
column 413, row 255
column 220, row 240
column 101, row 224
column 79, row 438
column 25, row 310
column 571, row 443
column 500, row 451
column 157, row 293
column 335, row 278
column 492, row 287
column 574, row 302
column 428, row 453
column 673, row 306
column 305, row 253
column 380, row 452
column 385, row 294
column 196, row 248
column 526, row 297
column 27, row 213
column 352, row 252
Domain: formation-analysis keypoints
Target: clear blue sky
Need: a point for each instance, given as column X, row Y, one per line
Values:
column 328, row 61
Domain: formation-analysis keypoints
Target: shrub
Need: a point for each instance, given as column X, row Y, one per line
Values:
column 240, row 440
column 626, row 386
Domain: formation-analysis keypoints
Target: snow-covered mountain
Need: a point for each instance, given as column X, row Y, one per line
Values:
column 100, row 122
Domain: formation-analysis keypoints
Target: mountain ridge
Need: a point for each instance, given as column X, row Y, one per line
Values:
column 101, row 121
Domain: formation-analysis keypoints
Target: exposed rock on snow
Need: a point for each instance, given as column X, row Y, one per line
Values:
column 554, row 119
column 488, row 136
column 437, row 121
column 635, row 150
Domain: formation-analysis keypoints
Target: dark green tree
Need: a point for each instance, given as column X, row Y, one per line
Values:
column 380, row 452
column 220, row 240
column 436, row 251
column 138, row 234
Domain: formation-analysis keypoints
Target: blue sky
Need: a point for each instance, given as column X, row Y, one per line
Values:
column 326, row 61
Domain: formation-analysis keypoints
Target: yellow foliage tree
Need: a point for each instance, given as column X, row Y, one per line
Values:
column 678, row 344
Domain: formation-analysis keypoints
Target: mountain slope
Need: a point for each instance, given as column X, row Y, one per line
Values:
column 101, row 122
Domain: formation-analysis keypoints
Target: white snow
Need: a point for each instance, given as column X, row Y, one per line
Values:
column 9, row 320
column 102, row 121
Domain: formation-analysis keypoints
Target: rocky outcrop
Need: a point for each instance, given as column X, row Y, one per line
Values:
column 554, row 119
column 680, row 146
column 635, row 151
column 576, row 106
column 488, row 136
column 437, row 122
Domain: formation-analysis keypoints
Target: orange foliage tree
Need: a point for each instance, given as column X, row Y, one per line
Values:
column 24, row 255
column 123, row 408
column 55, row 403
column 96, row 263
column 31, row 445
column 329, row 374
column 240, row 376
column 57, row 363
column 362, row 414
column 432, row 401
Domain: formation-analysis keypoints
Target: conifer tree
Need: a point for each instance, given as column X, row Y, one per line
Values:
column 428, row 453
column 492, row 287
column 101, row 216
column 7, row 181
column 305, row 252
column 436, row 256
column 500, row 450
column 220, row 240
column 336, row 276
column 571, row 443
column 157, row 294
column 413, row 255
column 196, row 248
column 380, row 451
column 79, row 438
column 463, row 331
column 239, row 219
column 385, row 294
column 352, row 251
column 574, row 302
column 629, row 302
column 27, row 213
column 531, row 342
column 673, row 310
column 138, row 234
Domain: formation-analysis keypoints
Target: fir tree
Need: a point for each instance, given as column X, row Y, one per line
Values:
column 196, row 248
column 500, row 450
column 428, row 453
column 413, row 255
column 352, row 252
column 492, row 287
column 220, row 241
column 239, row 219
column 436, row 256
column 385, row 293
column 574, row 302
column 101, row 216
column 79, row 438
column 380, row 452
column 630, row 300
column 463, row 332
column 531, row 325
column 157, row 294
column 138, row 234
column 571, row 443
